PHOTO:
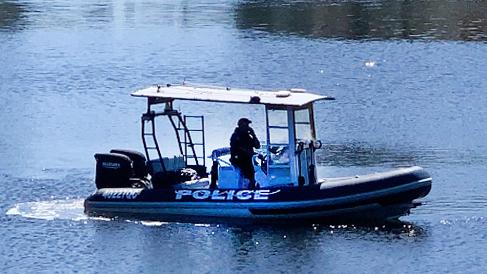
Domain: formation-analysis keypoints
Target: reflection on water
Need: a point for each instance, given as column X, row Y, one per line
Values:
column 10, row 14
column 363, row 154
column 57, row 14
column 356, row 154
column 437, row 19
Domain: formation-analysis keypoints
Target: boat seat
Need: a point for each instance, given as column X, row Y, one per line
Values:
column 200, row 170
column 203, row 183
column 170, row 164
column 170, row 178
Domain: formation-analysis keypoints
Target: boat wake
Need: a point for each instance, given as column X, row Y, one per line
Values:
column 67, row 209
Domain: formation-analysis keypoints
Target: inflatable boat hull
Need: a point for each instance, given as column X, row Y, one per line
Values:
column 370, row 198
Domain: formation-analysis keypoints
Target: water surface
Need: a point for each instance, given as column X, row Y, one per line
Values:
column 409, row 78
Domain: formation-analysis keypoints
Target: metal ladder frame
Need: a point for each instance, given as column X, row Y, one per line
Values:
column 186, row 141
column 149, row 117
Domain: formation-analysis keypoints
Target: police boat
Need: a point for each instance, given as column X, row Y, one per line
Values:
column 154, row 186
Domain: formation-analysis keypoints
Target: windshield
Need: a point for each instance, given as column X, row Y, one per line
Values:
column 302, row 124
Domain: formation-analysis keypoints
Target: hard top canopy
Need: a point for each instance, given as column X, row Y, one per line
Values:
column 292, row 97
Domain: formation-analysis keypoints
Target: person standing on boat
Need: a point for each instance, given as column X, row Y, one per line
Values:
column 242, row 144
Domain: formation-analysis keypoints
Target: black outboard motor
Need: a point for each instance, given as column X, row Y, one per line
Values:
column 138, row 162
column 113, row 170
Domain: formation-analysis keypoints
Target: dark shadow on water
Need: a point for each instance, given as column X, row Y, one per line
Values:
column 245, row 230
column 309, row 237
column 371, row 20
column 394, row 227
column 362, row 154
column 239, row 247
column 359, row 154
column 11, row 15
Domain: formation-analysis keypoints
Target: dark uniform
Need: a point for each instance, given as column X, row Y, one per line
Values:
column 242, row 144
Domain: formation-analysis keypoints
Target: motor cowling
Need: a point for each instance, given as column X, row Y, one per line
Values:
column 139, row 165
column 113, row 170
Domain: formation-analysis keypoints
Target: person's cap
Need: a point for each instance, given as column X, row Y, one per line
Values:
column 244, row 121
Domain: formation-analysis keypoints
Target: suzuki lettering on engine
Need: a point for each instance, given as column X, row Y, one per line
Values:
column 110, row 165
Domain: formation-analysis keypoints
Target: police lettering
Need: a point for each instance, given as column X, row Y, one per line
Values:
column 224, row 195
